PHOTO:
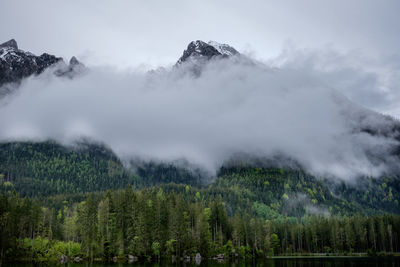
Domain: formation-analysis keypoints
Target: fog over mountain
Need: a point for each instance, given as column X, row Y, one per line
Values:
column 293, row 106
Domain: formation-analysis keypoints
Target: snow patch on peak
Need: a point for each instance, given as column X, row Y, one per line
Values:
column 4, row 52
column 224, row 49
column 198, row 45
column 8, row 52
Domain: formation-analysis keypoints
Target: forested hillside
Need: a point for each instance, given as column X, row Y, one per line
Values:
column 294, row 192
column 42, row 169
column 45, row 169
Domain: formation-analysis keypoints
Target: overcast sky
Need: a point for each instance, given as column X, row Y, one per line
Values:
column 129, row 33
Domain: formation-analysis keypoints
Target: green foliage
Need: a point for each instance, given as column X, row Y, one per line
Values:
column 170, row 246
column 123, row 222
column 275, row 244
column 295, row 193
column 7, row 184
column 248, row 211
column 155, row 246
column 43, row 169
column 45, row 250
column 50, row 169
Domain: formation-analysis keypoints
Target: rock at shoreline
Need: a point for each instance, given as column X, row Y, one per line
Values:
column 64, row 259
column 132, row 259
column 198, row 258
column 78, row 259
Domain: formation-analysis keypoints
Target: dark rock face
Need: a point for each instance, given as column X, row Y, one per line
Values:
column 16, row 64
column 199, row 50
column 12, row 43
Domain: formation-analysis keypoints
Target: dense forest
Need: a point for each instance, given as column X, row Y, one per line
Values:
column 82, row 201
column 153, row 224
column 45, row 169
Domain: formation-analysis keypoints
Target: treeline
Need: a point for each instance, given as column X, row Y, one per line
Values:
column 40, row 169
column 155, row 224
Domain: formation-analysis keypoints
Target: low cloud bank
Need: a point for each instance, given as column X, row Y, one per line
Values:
column 297, row 109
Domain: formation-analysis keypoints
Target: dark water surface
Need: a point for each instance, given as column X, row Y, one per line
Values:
column 293, row 262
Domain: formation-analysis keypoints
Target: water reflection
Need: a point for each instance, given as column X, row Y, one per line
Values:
column 308, row 262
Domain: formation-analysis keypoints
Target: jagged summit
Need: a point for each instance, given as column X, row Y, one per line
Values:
column 16, row 64
column 74, row 61
column 11, row 43
column 202, row 50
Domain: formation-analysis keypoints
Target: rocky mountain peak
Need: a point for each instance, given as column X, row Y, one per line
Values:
column 202, row 50
column 11, row 43
column 16, row 64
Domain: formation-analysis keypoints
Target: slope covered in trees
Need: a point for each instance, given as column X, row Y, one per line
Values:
column 42, row 169
column 50, row 169
column 294, row 192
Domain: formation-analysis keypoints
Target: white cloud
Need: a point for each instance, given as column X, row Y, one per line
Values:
column 230, row 108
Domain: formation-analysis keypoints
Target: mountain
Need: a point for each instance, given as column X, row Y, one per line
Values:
column 48, row 168
column 199, row 50
column 16, row 64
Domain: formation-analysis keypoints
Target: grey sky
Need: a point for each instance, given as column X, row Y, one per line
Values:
column 129, row 33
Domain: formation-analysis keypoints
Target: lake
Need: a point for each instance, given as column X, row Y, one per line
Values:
column 292, row 262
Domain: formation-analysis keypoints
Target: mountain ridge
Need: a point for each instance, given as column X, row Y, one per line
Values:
column 16, row 64
column 200, row 50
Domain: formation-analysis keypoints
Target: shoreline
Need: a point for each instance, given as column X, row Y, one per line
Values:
column 227, row 260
